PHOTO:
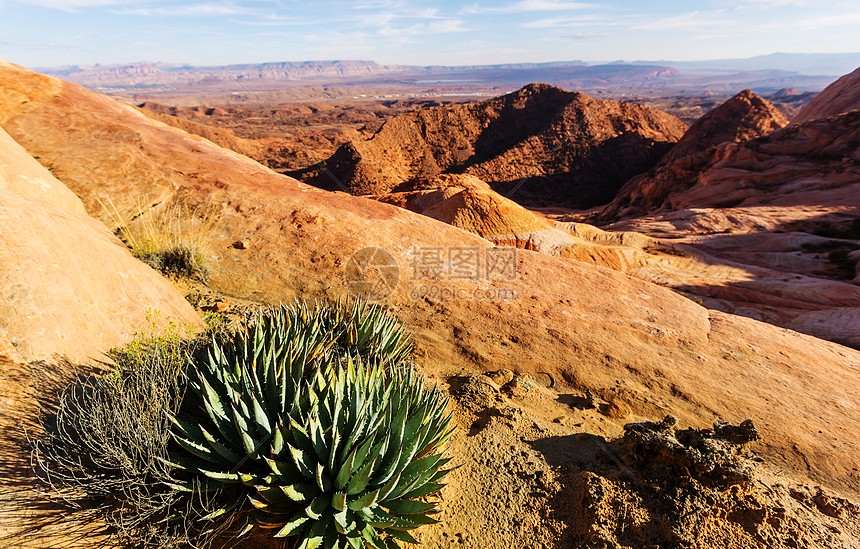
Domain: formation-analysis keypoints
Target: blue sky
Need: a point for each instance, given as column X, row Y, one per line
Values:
column 44, row 33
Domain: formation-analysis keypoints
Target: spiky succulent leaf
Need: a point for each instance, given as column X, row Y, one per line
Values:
column 312, row 411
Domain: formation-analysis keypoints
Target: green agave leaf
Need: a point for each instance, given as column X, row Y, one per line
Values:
column 401, row 535
column 372, row 537
column 338, row 501
column 318, row 506
column 410, row 522
column 390, row 543
column 302, row 461
column 422, row 491
column 353, row 539
column 282, row 469
column 364, row 501
column 323, row 478
column 332, row 539
column 201, row 451
column 377, row 517
column 346, row 471
column 300, row 437
column 344, row 522
column 242, row 427
column 261, row 417
column 257, row 503
column 221, row 449
column 244, row 531
column 223, row 477
column 272, row 495
column 293, row 527
column 411, row 477
column 359, row 481
column 392, row 457
column 407, row 506
column 221, row 418
column 319, row 443
column 300, row 492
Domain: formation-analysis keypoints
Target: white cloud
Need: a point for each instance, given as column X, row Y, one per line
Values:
column 432, row 27
column 587, row 35
column 273, row 20
column 778, row 3
column 830, row 21
column 689, row 21
column 194, row 10
column 524, row 6
column 569, row 22
column 72, row 5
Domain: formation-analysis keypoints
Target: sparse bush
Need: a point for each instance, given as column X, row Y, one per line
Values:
column 104, row 450
column 173, row 240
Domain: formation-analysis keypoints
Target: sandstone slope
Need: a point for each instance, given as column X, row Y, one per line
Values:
column 585, row 327
column 572, row 149
column 751, row 280
column 70, row 288
column 22, row 175
column 837, row 98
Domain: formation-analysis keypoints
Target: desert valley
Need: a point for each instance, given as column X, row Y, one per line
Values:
column 638, row 286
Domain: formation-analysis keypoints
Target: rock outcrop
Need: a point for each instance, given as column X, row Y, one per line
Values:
column 468, row 203
column 743, row 117
column 837, row 98
column 812, row 163
column 539, row 145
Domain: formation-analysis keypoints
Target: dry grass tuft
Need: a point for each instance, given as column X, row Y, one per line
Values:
column 175, row 239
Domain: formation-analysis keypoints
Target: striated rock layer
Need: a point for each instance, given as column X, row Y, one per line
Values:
column 837, row 98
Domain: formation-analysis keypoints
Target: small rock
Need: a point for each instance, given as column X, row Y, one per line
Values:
column 242, row 244
column 616, row 410
column 477, row 392
column 220, row 306
column 827, row 505
column 519, row 387
column 501, row 377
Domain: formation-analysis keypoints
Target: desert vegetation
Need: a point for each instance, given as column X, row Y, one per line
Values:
column 306, row 420
column 174, row 239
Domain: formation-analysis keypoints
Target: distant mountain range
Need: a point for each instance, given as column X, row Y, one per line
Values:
column 764, row 74
column 813, row 64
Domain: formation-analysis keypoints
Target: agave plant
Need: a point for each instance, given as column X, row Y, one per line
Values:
column 330, row 449
column 358, row 329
